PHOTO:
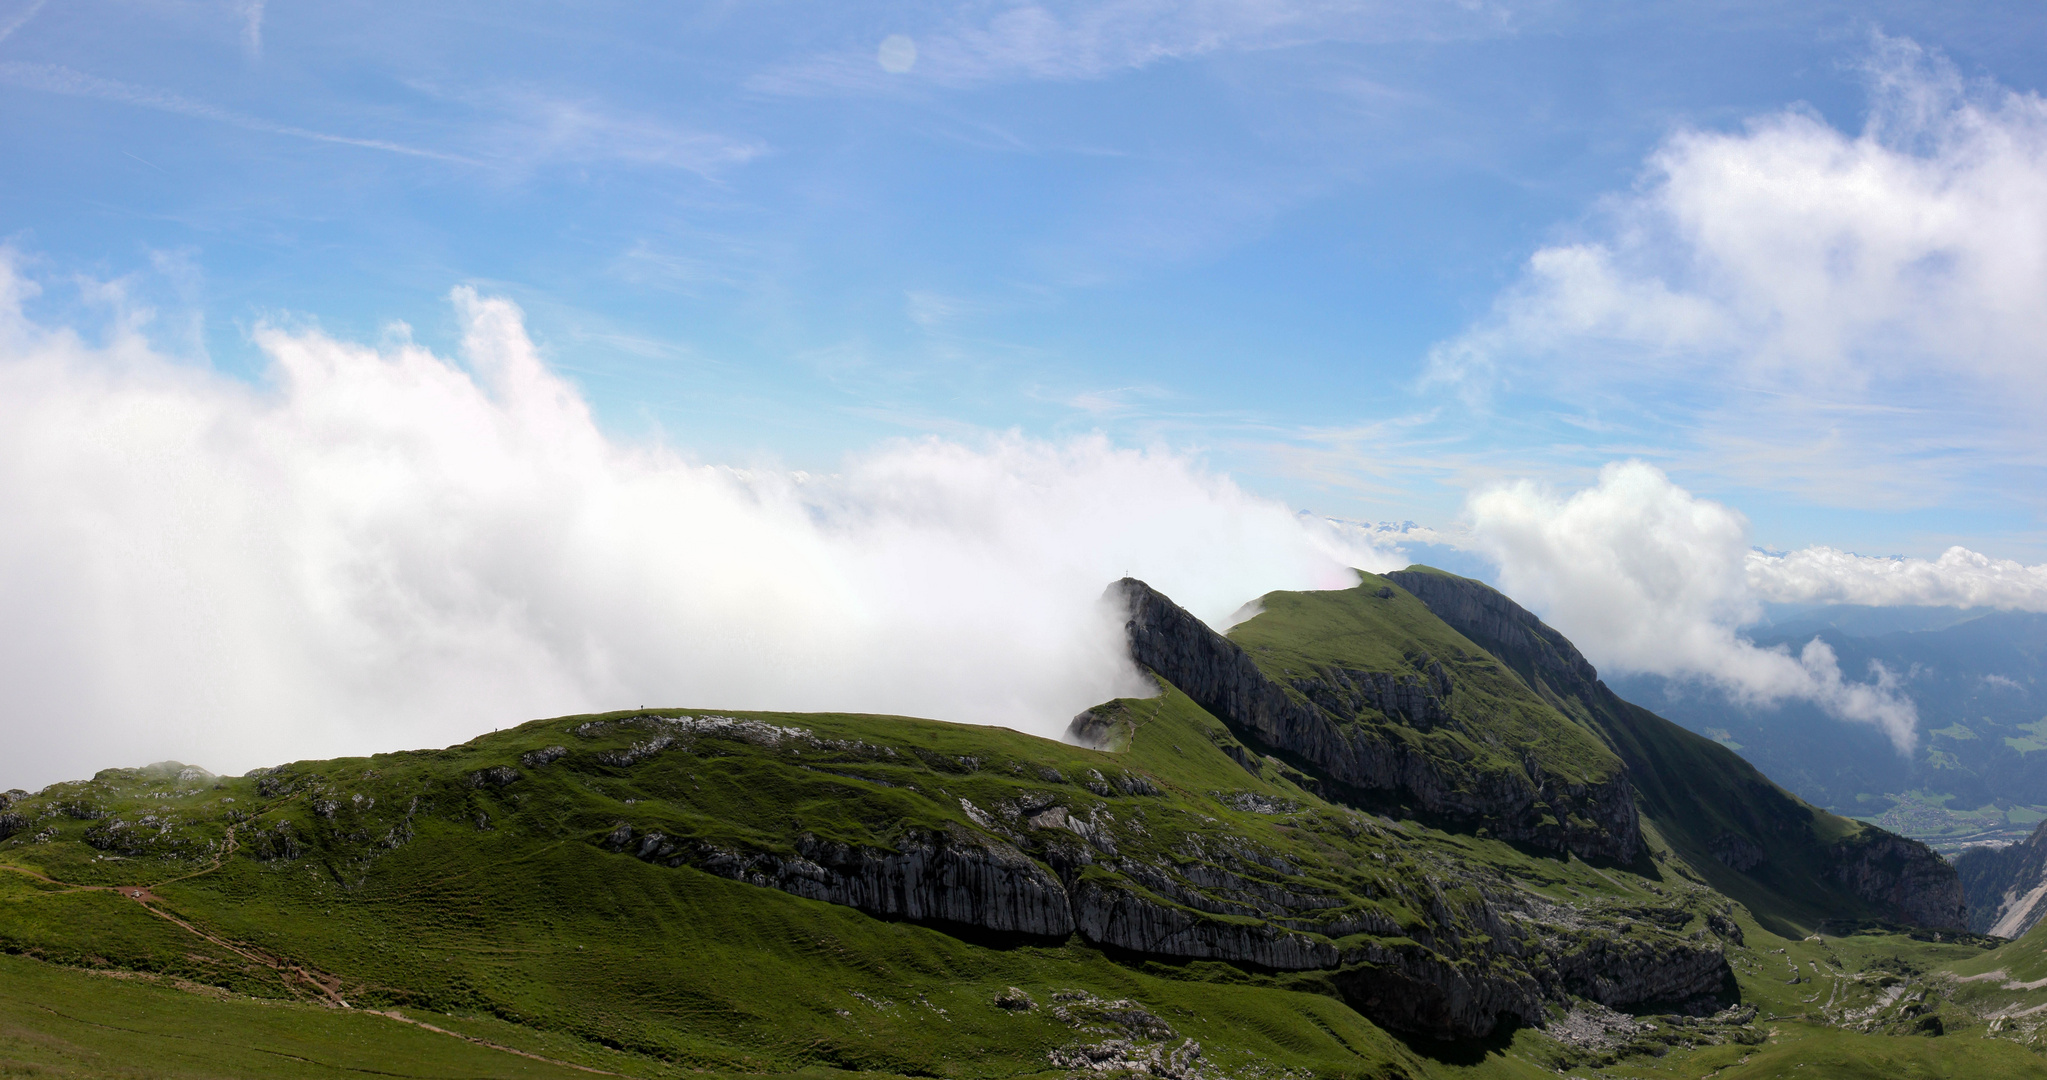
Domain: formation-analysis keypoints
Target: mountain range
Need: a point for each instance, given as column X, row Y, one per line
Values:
column 1396, row 830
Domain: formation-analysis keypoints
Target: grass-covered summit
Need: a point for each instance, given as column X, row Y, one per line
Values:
column 1371, row 691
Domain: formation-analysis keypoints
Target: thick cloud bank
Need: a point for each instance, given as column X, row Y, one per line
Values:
column 1959, row 578
column 381, row 548
column 1853, row 315
column 1645, row 577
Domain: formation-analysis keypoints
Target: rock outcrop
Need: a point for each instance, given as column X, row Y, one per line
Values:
column 946, row 877
column 1900, row 876
column 1456, row 976
column 1315, row 720
column 1124, row 918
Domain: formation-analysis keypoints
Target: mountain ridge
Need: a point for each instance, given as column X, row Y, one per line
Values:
column 676, row 890
column 1903, row 879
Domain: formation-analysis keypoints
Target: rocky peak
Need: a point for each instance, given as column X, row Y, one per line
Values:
column 1318, row 717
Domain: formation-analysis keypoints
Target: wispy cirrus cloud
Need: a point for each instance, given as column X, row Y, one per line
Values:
column 251, row 12
column 58, row 79
column 1002, row 42
column 528, row 128
column 19, row 18
column 516, row 130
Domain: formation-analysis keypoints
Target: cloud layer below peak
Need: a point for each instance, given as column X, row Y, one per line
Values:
column 1646, row 577
column 380, row 548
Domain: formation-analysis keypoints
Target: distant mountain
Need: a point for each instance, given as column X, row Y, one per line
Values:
column 2006, row 887
column 1980, row 684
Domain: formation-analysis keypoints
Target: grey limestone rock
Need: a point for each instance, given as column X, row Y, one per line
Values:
column 1455, row 977
column 1903, row 877
column 1125, row 919
column 1737, row 852
column 495, row 776
column 540, row 759
column 949, row 877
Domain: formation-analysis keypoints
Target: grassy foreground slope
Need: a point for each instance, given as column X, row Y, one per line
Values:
column 562, row 896
column 434, row 894
column 57, row 1021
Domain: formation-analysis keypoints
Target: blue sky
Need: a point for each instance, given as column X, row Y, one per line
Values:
column 1232, row 228
column 371, row 375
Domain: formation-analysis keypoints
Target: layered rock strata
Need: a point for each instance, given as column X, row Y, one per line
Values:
column 1457, row 975
column 947, row 877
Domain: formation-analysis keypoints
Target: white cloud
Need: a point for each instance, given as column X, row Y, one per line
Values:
column 1808, row 300
column 897, row 54
column 1645, row 577
column 1958, row 578
column 378, row 548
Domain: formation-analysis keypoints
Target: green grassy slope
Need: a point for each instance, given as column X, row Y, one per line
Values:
column 528, row 922
column 528, row 934
column 63, row 1022
column 1734, row 828
column 1497, row 722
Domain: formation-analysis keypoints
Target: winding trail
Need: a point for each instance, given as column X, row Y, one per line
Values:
column 324, row 988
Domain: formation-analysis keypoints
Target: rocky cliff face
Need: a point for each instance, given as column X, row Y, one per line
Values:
column 1901, row 876
column 945, row 877
column 2006, row 889
column 1902, row 879
column 1456, row 974
column 1315, row 718
column 1417, row 939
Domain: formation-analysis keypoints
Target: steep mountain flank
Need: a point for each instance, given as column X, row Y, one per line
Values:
column 1369, row 690
column 1784, row 858
column 2006, row 887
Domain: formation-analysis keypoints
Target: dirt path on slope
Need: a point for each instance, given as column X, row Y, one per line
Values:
column 325, row 989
